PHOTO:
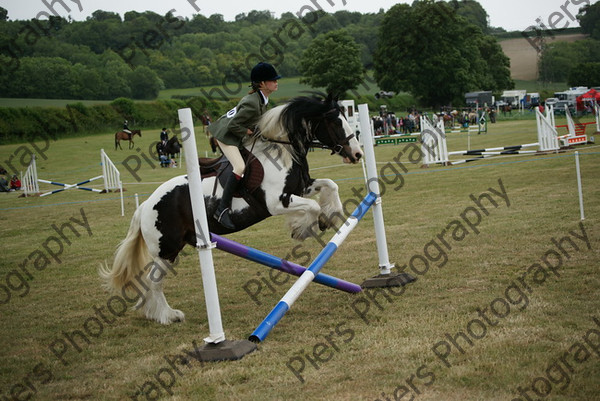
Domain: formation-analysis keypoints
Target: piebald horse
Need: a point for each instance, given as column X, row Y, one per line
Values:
column 163, row 224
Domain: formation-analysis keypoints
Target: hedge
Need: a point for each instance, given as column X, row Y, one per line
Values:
column 26, row 123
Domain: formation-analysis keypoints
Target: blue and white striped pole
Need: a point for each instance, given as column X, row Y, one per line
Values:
column 307, row 277
column 70, row 186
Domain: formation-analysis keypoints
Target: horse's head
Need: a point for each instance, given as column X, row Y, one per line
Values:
column 333, row 132
column 319, row 121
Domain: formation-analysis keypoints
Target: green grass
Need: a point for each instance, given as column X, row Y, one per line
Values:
column 537, row 86
column 288, row 88
column 383, row 354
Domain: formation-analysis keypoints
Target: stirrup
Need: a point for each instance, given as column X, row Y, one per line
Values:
column 218, row 216
column 224, row 218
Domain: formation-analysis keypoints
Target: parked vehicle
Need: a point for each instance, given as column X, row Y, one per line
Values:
column 568, row 98
column 514, row 97
column 479, row 98
column 385, row 94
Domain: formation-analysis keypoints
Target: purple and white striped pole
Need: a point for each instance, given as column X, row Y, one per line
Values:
column 255, row 255
column 308, row 276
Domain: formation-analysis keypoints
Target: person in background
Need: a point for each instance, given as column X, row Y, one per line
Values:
column 126, row 128
column 3, row 184
column 164, row 137
column 15, row 183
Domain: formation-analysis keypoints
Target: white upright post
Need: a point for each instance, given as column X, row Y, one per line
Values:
column 373, row 186
column 570, row 122
column 203, row 243
column 384, row 278
column 579, row 189
column 217, row 348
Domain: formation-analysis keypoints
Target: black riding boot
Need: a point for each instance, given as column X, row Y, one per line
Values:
column 223, row 212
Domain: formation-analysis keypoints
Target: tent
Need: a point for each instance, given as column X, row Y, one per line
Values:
column 591, row 97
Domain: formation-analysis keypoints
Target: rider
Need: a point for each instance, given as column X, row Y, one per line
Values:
column 164, row 137
column 126, row 129
column 232, row 128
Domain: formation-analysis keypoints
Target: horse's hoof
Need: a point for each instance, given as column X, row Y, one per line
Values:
column 324, row 224
column 299, row 235
column 178, row 316
column 175, row 316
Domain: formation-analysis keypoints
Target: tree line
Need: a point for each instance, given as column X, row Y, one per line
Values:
column 435, row 50
column 107, row 56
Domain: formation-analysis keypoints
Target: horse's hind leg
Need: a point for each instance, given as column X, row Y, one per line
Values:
column 155, row 306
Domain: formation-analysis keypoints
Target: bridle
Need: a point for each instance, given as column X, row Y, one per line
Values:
column 338, row 146
column 312, row 142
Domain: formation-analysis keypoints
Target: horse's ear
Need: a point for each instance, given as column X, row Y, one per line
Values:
column 332, row 98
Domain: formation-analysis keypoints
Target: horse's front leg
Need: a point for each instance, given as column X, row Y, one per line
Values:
column 329, row 201
column 131, row 144
column 302, row 213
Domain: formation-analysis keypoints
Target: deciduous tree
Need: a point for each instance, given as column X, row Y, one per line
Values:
column 437, row 55
column 332, row 61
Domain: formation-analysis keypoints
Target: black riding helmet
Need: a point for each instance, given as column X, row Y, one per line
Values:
column 264, row 72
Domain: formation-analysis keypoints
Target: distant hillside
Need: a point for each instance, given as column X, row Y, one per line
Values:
column 524, row 58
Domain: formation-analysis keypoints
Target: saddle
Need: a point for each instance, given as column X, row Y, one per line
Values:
column 221, row 168
column 129, row 134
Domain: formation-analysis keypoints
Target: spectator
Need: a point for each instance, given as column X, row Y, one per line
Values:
column 3, row 184
column 15, row 183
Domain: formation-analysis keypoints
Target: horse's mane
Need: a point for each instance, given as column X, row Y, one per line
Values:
column 291, row 121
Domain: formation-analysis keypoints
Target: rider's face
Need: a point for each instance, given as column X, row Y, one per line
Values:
column 268, row 87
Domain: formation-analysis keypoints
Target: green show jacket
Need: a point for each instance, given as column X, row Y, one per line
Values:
column 233, row 127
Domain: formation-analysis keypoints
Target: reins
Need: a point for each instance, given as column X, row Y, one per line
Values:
column 312, row 143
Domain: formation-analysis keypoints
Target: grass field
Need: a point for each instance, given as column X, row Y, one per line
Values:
column 524, row 56
column 288, row 88
column 501, row 306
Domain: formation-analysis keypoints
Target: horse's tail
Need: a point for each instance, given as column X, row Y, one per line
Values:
column 116, row 140
column 131, row 257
